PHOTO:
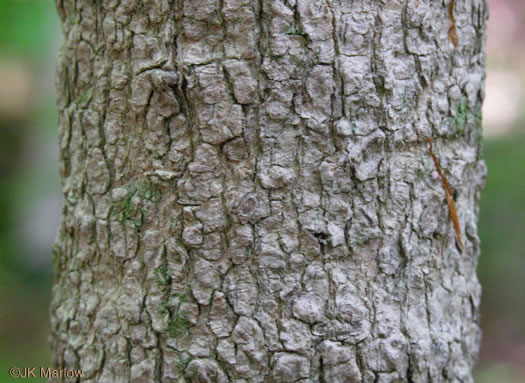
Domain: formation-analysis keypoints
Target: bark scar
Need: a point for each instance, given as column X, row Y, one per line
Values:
column 452, row 32
column 448, row 194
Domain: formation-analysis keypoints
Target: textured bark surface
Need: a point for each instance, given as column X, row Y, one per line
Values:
column 249, row 195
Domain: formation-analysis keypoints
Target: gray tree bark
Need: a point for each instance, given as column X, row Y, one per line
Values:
column 249, row 196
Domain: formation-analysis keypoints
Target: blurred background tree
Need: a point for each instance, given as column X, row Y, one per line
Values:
column 30, row 187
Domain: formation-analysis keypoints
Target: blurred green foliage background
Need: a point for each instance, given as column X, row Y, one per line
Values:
column 30, row 188
column 29, row 182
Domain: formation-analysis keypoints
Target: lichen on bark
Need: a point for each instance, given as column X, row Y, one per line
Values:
column 248, row 195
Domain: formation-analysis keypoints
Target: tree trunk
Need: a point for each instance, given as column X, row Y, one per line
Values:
column 249, row 194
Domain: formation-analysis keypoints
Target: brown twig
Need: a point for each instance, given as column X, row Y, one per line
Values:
column 448, row 194
column 452, row 32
